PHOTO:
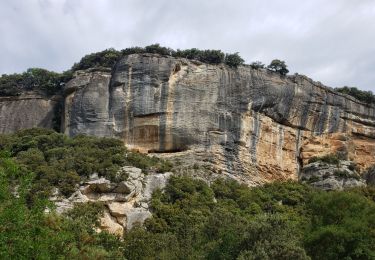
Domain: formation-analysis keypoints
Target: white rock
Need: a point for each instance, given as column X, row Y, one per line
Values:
column 109, row 223
column 136, row 215
column 133, row 172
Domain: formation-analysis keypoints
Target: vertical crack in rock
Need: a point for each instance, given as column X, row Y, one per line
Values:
column 320, row 126
column 128, row 108
column 255, row 137
column 163, row 116
column 299, row 161
column 280, row 146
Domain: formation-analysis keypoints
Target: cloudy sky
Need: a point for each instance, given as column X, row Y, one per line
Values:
column 331, row 41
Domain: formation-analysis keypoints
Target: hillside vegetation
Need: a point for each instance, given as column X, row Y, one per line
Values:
column 191, row 219
column 367, row 97
column 62, row 162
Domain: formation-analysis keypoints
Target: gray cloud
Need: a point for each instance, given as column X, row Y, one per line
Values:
column 330, row 41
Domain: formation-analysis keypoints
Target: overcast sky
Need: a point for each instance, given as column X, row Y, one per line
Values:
column 332, row 41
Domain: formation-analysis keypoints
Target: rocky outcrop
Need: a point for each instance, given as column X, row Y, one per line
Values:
column 252, row 124
column 27, row 111
column 332, row 176
column 126, row 203
column 370, row 176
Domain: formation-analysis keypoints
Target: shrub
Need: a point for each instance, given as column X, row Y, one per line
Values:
column 156, row 48
column 37, row 79
column 329, row 158
column 364, row 96
column 106, row 58
column 278, row 66
column 257, row 65
column 62, row 162
column 233, row 60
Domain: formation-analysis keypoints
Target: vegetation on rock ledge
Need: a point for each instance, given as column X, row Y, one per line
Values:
column 191, row 220
column 62, row 162
column 367, row 97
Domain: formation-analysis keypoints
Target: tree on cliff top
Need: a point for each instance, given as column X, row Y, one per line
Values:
column 364, row 96
column 278, row 66
column 233, row 60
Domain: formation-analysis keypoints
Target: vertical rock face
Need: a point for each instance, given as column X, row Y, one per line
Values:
column 26, row 111
column 250, row 123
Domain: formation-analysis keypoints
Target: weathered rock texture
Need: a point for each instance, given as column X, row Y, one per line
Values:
column 332, row 177
column 253, row 124
column 126, row 202
column 27, row 111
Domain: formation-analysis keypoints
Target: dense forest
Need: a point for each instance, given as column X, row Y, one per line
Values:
column 191, row 218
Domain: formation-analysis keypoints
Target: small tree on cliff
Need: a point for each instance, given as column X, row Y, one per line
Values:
column 278, row 66
column 257, row 65
column 233, row 60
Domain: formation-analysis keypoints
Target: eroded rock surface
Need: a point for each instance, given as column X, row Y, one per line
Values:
column 252, row 124
column 332, row 177
column 27, row 111
column 123, row 207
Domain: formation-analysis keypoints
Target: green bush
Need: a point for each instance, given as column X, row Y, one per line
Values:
column 342, row 225
column 233, row 60
column 27, row 232
column 106, row 58
column 47, row 82
column 257, row 65
column 329, row 158
column 62, row 162
column 278, row 66
column 191, row 220
column 364, row 96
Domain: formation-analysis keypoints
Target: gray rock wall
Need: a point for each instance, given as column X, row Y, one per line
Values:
column 26, row 111
column 253, row 123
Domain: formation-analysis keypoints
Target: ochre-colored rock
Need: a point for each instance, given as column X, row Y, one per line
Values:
column 255, row 125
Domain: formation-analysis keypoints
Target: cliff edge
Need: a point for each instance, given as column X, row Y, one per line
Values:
column 252, row 124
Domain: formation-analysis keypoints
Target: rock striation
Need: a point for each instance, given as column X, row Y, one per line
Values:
column 26, row 111
column 252, row 124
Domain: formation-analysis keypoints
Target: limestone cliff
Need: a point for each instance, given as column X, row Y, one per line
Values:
column 251, row 124
column 26, row 111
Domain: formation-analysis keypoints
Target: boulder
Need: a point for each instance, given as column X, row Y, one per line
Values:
column 109, row 223
column 331, row 176
column 100, row 185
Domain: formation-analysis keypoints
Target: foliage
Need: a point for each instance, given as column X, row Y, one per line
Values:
column 233, row 60
column 240, row 223
column 278, row 66
column 276, row 221
column 342, row 227
column 62, row 162
column 364, row 96
column 191, row 220
column 156, row 48
column 257, row 65
column 36, row 79
column 106, row 58
column 28, row 233
column 329, row 158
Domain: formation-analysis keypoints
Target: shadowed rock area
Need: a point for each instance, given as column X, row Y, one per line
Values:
column 26, row 111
